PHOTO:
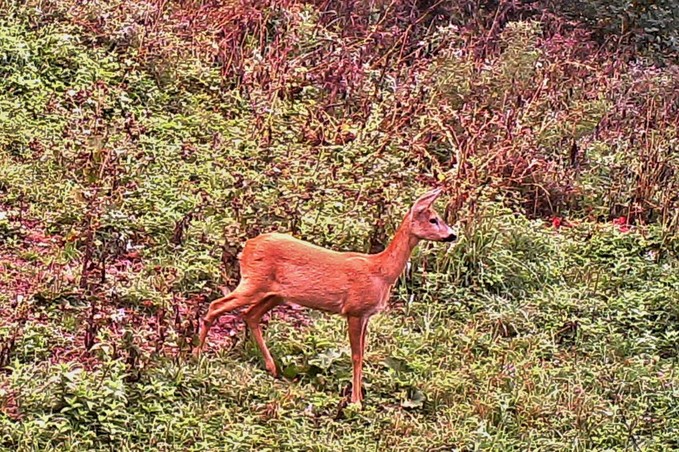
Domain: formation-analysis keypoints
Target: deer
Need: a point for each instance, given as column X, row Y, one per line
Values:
column 278, row 268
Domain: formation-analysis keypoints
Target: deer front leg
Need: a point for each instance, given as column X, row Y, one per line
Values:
column 357, row 329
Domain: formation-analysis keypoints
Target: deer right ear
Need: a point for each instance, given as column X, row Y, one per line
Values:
column 425, row 201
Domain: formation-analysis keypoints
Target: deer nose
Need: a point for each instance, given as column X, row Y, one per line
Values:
column 451, row 238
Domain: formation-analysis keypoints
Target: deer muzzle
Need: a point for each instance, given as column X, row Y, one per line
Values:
column 451, row 238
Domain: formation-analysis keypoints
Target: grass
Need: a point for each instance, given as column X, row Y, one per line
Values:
column 585, row 361
column 128, row 183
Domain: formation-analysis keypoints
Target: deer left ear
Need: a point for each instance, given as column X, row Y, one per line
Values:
column 426, row 200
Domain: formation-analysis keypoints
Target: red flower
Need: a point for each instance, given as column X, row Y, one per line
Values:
column 133, row 255
column 622, row 224
column 559, row 222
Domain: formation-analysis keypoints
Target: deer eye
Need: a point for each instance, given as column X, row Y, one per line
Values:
column 433, row 221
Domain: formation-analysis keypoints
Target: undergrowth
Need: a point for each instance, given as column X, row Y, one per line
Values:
column 142, row 142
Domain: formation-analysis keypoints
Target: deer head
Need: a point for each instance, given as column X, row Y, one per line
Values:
column 426, row 224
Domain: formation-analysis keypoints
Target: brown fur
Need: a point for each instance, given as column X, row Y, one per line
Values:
column 278, row 268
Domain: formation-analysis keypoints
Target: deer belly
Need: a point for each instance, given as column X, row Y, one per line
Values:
column 331, row 306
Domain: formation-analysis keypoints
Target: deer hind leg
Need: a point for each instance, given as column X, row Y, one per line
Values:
column 239, row 297
column 253, row 317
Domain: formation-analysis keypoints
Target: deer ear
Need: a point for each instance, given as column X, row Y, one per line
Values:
column 426, row 200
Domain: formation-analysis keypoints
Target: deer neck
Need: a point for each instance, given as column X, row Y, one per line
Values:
column 391, row 262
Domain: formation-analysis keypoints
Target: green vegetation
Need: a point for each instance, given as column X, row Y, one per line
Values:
column 142, row 142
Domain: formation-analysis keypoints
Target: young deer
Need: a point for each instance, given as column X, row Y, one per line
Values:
column 277, row 268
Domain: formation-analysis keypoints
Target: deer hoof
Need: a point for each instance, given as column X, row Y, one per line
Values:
column 273, row 370
column 358, row 404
